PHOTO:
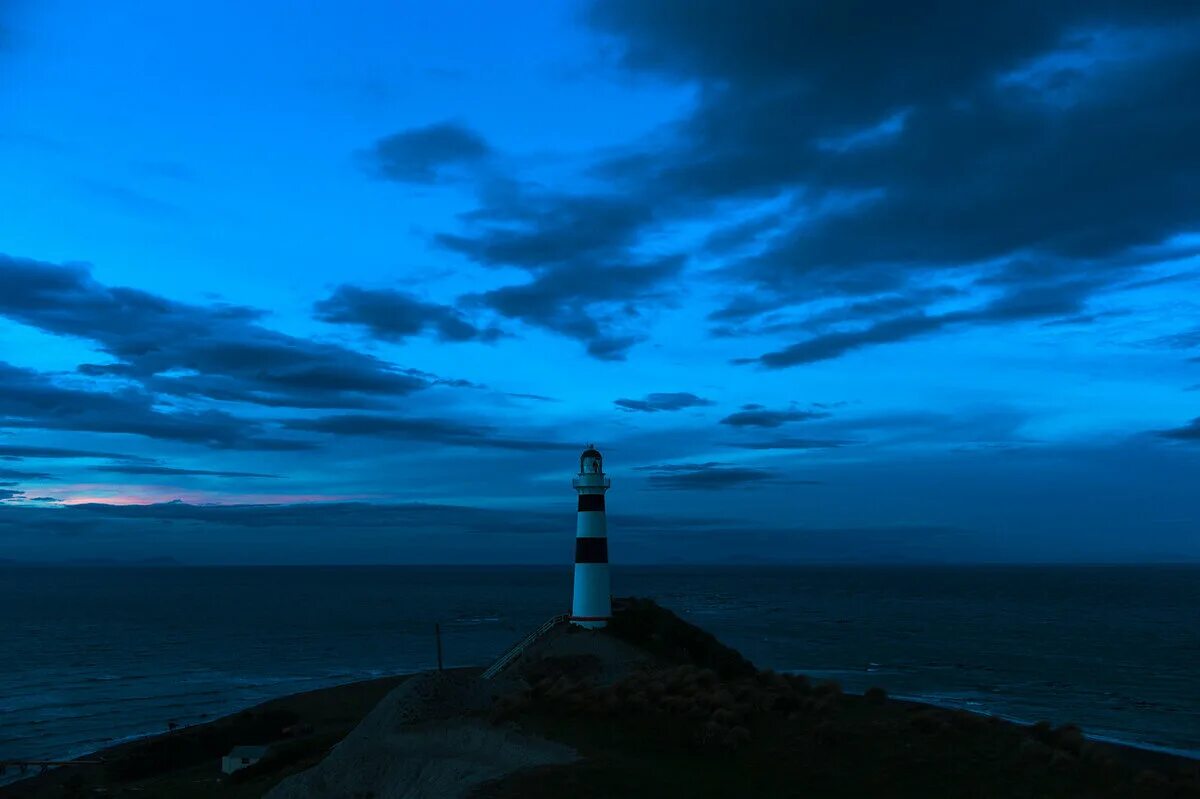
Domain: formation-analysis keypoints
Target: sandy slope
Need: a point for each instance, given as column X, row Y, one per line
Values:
column 418, row 743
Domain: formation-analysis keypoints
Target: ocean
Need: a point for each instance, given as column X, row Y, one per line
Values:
column 94, row 656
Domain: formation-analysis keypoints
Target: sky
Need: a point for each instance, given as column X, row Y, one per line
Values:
column 316, row 282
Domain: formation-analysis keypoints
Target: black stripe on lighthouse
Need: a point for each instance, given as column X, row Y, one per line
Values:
column 591, row 550
column 591, row 502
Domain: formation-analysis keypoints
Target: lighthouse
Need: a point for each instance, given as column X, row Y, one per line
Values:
column 592, row 603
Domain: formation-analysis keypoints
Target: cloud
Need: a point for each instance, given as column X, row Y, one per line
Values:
column 18, row 452
column 755, row 415
column 893, row 171
column 538, row 397
column 537, row 230
column 584, row 282
column 32, row 400
column 44, row 499
column 17, row 474
column 1185, row 340
column 1040, row 298
column 1189, row 432
column 217, row 351
column 876, row 178
column 137, row 469
column 831, row 345
column 589, row 302
column 427, row 154
column 670, row 401
column 711, row 476
column 10, row 493
column 396, row 315
column 441, row 431
column 794, row 443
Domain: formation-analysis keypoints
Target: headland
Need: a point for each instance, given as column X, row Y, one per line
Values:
column 651, row 706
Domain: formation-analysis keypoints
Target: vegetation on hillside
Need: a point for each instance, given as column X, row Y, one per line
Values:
column 646, row 624
column 683, row 731
column 713, row 726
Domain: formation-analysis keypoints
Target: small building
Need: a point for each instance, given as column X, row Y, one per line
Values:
column 241, row 756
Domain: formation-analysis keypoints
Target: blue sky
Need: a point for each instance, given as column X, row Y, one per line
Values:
column 824, row 283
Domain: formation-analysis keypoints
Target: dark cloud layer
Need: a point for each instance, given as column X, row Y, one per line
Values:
column 896, row 146
column 441, row 431
column 908, row 140
column 427, row 154
column 710, row 476
column 138, row 469
column 217, row 352
column 20, row 452
column 593, row 303
column 757, row 416
column 1189, row 432
column 18, row 474
column 395, row 315
column 794, row 443
column 32, row 400
column 666, row 401
column 584, row 281
column 1042, row 298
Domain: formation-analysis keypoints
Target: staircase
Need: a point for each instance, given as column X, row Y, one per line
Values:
column 515, row 652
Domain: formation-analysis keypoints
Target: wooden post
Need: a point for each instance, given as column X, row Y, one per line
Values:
column 437, row 632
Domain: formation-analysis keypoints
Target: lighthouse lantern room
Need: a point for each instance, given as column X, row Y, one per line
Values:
column 592, row 603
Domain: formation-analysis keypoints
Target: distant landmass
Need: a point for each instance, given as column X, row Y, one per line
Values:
column 163, row 560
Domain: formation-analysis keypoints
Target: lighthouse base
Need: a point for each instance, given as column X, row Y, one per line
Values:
column 589, row 622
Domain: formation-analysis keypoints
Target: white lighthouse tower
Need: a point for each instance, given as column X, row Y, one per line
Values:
column 592, row 604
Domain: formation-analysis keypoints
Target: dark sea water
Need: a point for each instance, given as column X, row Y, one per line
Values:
column 91, row 656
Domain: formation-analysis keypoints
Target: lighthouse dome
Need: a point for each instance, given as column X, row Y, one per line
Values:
column 591, row 461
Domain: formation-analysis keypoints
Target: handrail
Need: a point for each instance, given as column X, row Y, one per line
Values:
column 524, row 644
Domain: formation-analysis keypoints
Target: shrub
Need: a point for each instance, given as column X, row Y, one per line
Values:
column 725, row 717
column 967, row 721
column 711, row 732
column 927, row 721
column 576, row 667
column 1041, row 730
column 784, row 703
column 1035, row 750
column 1068, row 737
column 736, row 738
column 1060, row 760
column 559, row 687
column 826, row 734
column 875, row 695
column 799, row 683
column 1152, row 779
column 828, row 688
